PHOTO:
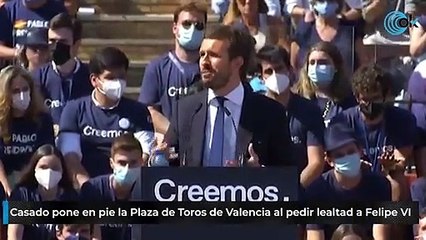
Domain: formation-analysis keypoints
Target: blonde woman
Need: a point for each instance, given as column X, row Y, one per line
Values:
column 24, row 123
column 252, row 16
column 323, row 80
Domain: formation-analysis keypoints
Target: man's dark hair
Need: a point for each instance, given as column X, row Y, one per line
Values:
column 190, row 7
column 371, row 79
column 241, row 45
column 125, row 142
column 108, row 58
column 274, row 54
column 64, row 20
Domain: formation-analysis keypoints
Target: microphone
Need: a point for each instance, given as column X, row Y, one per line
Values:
column 228, row 113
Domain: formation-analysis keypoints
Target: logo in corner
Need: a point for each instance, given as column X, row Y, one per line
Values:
column 397, row 22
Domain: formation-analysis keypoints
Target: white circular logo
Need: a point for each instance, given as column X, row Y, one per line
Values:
column 124, row 123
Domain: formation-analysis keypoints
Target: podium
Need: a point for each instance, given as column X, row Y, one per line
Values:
column 218, row 185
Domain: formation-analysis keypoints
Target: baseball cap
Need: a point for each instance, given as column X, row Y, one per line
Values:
column 37, row 36
column 338, row 134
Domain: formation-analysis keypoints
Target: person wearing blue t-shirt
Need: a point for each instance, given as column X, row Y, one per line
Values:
column 44, row 179
column 323, row 80
column 89, row 124
column 24, row 123
column 126, row 162
column 346, row 181
column 16, row 16
column 171, row 75
column 388, row 133
column 382, row 127
column 66, row 77
column 305, row 120
column 324, row 24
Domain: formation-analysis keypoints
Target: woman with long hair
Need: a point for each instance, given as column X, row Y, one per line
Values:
column 323, row 79
column 24, row 123
column 324, row 24
column 44, row 179
column 250, row 15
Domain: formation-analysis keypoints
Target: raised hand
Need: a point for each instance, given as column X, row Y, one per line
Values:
column 254, row 158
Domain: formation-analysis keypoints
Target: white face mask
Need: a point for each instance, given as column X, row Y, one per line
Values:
column 113, row 89
column 21, row 101
column 47, row 178
column 277, row 83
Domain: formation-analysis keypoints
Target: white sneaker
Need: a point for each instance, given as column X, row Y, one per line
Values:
column 378, row 38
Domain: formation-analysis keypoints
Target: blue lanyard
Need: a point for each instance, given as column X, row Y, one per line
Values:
column 177, row 63
column 68, row 81
column 377, row 149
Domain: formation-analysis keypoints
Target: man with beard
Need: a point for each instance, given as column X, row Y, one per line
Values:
column 218, row 126
column 169, row 76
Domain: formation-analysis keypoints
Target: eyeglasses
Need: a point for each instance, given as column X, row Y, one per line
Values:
column 198, row 25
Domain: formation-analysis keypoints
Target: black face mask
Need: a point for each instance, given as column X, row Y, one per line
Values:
column 372, row 110
column 61, row 54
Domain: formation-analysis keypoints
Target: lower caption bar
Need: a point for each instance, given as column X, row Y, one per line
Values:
column 210, row 213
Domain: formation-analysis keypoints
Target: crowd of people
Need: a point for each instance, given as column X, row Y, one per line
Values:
column 278, row 83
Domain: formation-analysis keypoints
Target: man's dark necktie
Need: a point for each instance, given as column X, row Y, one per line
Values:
column 216, row 150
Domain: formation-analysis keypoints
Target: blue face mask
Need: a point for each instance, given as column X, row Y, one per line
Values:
column 326, row 9
column 75, row 237
column 349, row 165
column 191, row 38
column 126, row 175
column 72, row 237
column 321, row 74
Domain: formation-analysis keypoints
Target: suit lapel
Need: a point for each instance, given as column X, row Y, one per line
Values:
column 245, row 126
column 197, row 127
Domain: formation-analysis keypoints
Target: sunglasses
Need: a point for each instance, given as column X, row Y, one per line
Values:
column 198, row 25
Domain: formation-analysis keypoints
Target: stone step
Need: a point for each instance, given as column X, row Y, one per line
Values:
column 136, row 6
column 135, row 73
column 135, row 49
column 132, row 92
column 153, row 26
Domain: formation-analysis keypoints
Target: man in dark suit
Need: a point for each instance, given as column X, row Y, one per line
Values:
column 227, row 123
